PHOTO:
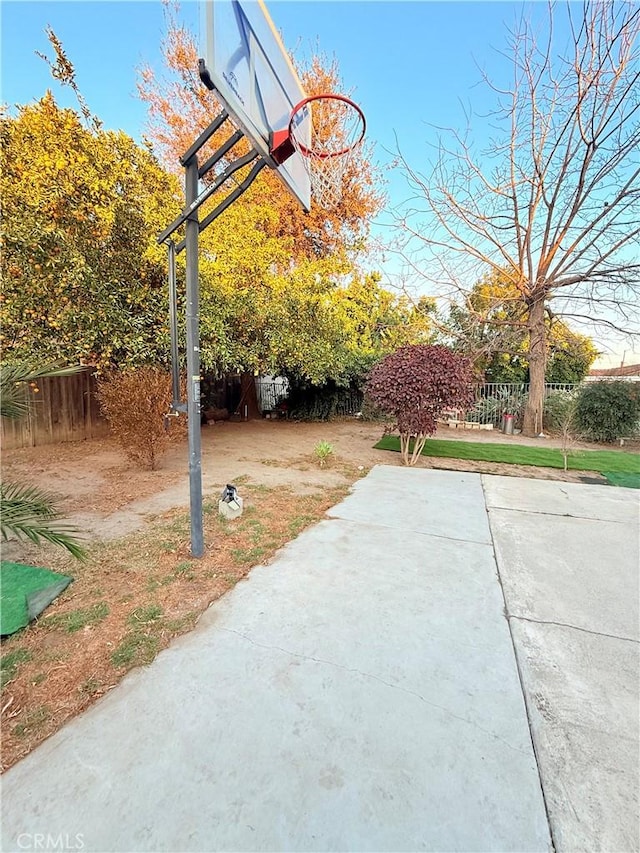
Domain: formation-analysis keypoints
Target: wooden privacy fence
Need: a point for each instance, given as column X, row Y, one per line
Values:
column 65, row 408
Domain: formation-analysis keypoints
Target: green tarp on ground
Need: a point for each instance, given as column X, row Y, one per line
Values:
column 25, row 591
column 629, row 481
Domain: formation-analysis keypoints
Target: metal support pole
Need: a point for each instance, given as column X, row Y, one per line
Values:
column 176, row 403
column 193, row 361
column 189, row 218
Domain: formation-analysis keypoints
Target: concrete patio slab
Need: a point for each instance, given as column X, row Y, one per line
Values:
column 358, row 693
column 605, row 503
column 582, row 693
column 572, row 592
column 403, row 600
column 442, row 503
column 576, row 571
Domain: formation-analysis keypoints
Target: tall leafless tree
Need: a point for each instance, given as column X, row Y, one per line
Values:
column 554, row 205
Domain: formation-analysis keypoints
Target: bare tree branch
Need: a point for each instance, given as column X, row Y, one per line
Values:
column 553, row 208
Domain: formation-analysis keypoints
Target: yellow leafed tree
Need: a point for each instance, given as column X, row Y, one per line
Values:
column 83, row 279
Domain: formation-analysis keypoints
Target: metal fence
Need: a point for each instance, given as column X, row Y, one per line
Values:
column 494, row 400
column 350, row 403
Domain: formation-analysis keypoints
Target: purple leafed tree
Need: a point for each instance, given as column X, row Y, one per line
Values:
column 414, row 385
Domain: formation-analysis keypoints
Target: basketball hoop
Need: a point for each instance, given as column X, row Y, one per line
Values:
column 326, row 130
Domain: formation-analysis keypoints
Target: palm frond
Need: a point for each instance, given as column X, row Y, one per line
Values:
column 28, row 512
column 14, row 381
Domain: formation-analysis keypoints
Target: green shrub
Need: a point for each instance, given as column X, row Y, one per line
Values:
column 559, row 409
column 307, row 402
column 607, row 411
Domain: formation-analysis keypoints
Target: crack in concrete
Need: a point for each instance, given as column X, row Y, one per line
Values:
column 377, row 678
column 572, row 627
column 408, row 530
column 490, row 509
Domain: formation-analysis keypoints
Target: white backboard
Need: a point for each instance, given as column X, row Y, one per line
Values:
column 251, row 71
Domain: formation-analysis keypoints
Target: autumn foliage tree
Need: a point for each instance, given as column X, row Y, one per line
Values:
column 277, row 285
column 180, row 108
column 84, row 279
column 414, row 385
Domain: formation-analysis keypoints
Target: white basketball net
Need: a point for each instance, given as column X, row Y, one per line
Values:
column 327, row 178
column 337, row 128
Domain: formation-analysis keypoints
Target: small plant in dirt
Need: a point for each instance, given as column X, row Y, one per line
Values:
column 299, row 523
column 180, row 623
column 144, row 615
column 323, row 450
column 31, row 720
column 568, row 428
column 135, row 403
column 246, row 556
column 90, row 687
column 414, row 385
column 560, row 410
column 607, row 411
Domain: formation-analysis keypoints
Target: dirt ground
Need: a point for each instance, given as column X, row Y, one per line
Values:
column 107, row 497
column 139, row 586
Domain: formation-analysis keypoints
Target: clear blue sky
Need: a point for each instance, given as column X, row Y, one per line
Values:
column 409, row 64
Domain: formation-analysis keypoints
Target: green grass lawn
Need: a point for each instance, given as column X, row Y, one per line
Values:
column 604, row 461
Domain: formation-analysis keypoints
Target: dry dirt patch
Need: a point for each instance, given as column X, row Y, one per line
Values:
column 94, row 480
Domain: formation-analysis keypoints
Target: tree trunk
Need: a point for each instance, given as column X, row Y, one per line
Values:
column 248, row 407
column 537, row 368
column 418, row 447
column 405, row 439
